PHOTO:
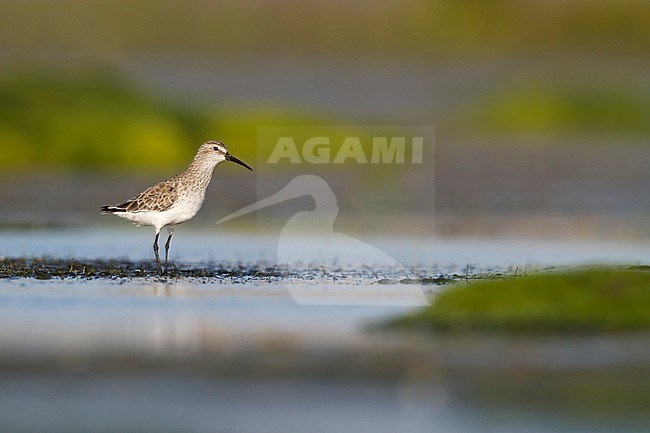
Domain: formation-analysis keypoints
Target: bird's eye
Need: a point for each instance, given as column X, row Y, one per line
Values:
column 215, row 148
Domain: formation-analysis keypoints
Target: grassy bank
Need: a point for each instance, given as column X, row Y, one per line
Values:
column 558, row 109
column 91, row 118
column 586, row 301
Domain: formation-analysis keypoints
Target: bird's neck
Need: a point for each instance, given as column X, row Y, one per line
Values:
column 200, row 172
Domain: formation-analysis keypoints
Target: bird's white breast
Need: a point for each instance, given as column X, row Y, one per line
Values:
column 186, row 207
column 183, row 210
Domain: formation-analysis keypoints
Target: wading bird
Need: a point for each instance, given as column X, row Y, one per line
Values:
column 176, row 200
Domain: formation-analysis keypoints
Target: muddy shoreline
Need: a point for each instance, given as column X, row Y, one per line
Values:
column 46, row 268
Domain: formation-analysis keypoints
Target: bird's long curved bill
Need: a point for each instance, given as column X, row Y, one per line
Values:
column 229, row 157
column 287, row 193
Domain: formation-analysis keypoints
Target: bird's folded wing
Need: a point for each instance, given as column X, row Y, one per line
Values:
column 156, row 198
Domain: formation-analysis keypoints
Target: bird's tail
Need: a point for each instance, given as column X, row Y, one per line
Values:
column 112, row 209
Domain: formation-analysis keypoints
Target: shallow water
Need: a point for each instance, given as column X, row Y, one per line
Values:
column 201, row 355
column 213, row 245
column 230, row 354
column 165, row 318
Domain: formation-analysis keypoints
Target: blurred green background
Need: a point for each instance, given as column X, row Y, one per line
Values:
column 133, row 87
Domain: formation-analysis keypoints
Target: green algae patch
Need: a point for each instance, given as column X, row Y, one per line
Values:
column 587, row 301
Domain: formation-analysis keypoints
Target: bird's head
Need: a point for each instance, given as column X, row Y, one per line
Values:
column 213, row 152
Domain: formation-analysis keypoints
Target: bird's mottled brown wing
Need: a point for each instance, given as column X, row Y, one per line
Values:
column 156, row 198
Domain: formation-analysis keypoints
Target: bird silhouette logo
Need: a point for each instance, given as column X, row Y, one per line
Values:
column 315, row 231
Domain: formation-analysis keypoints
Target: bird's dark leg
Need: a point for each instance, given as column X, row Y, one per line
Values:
column 169, row 240
column 155, row 250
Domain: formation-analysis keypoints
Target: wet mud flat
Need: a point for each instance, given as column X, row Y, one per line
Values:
column 46, row 268
column 109, row 345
